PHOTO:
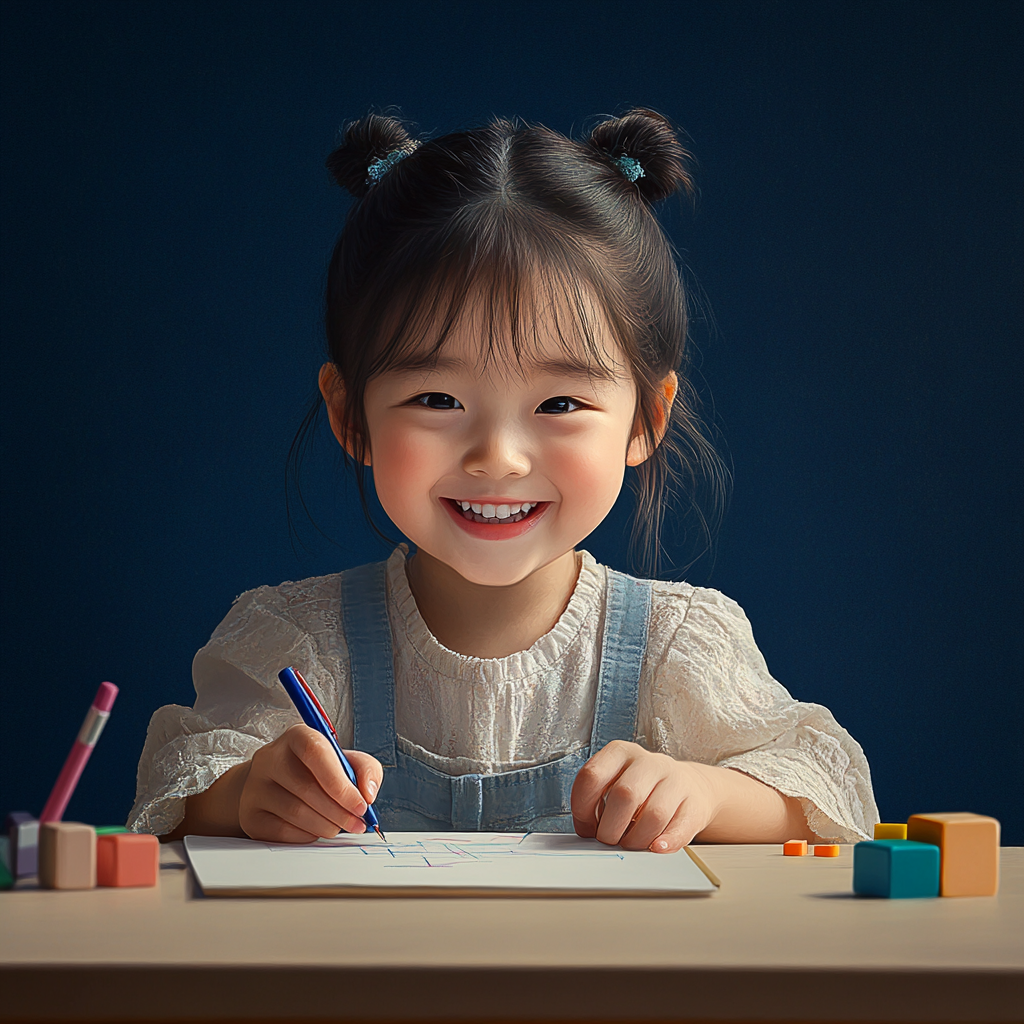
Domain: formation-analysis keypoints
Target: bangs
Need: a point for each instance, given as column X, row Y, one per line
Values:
column 530, row 309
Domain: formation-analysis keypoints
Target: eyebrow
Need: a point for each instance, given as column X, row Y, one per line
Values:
column 553, row 367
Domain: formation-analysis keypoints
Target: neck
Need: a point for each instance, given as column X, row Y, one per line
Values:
column 490, row 622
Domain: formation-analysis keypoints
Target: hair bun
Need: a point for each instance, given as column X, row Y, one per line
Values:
column 650, row 139
column 370, row 138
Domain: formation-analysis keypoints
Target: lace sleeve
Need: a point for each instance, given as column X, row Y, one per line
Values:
column 239, row 707
column 713, row 700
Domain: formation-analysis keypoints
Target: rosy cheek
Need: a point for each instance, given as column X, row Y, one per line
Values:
column 590, row 475
column 404, row 459
column 405, row 468
column 590, row 466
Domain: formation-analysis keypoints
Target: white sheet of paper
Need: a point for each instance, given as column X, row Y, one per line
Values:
column 435, row 863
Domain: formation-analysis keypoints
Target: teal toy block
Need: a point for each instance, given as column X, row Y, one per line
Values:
column 897, row 869
column 6, row 878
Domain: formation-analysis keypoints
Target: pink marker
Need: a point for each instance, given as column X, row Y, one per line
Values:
column 97, row 717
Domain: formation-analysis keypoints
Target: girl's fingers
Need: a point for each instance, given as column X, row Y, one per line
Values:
column 302, row 787
column 268, row 804
column 654, row 816
column 271, row 829
column 297, row 811
column 679, row 832
column 591, row 782
column 318, row 757
column 625, row 798
column 369, row 773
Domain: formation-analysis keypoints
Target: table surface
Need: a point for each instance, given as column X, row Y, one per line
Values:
column 784, row 939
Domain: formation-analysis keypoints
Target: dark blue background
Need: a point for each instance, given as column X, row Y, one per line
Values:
column 166, row 225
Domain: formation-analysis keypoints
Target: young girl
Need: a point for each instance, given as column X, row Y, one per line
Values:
column 507, row 333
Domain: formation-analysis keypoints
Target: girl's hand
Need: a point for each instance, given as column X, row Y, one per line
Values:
column 296, row 789
column 628, row 796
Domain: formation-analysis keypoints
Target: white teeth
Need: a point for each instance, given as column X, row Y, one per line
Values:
column 496, row 511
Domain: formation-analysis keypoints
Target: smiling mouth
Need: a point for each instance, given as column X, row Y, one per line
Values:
column 499, row 514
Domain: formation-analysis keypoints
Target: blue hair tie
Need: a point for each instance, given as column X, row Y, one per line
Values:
column 630, row 168
column 379, row 168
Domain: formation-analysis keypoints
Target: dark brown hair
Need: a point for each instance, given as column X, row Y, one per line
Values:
column 514, row 217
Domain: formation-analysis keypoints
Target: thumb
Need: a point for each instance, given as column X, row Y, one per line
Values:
column 369, row 773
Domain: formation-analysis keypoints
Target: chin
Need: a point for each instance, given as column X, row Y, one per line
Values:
column 505, row 571
column 490, row 576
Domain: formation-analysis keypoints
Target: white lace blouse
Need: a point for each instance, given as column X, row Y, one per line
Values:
column 705, row 695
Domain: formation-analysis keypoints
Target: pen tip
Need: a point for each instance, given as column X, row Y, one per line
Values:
column 376, row 828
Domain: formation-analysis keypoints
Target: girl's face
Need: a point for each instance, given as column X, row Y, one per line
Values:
column 538, row 453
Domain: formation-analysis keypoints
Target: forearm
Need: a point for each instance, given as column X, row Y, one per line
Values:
column 748, row 811
column 214, row 812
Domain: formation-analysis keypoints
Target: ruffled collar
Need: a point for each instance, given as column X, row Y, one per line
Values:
column 587, row 598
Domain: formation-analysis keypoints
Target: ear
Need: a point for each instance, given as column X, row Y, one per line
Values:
column 332, row 387
column 638, row 449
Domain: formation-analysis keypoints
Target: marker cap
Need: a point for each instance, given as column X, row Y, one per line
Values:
column 104, row 699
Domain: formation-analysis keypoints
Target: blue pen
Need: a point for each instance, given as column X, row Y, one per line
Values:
column 316, row 718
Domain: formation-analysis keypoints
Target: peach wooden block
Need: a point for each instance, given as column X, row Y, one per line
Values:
column 968, row 848
column 826, row 850
column 127, row 859
column 67, row 855
column 795, row 848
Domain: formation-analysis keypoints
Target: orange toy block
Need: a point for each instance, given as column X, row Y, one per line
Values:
column 890, row 830
column 127, row 859
column 826, row 850
column 795, row 848
column 968, row 847
column 67, row 855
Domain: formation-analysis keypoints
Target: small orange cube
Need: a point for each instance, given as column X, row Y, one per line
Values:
column 127, row 859
column 826, row 850
column 795, row 848
column 969, row 850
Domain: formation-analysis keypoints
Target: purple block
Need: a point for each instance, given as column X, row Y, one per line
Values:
column 24, row 832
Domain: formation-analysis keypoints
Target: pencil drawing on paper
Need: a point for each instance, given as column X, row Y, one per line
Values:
column 444, row 851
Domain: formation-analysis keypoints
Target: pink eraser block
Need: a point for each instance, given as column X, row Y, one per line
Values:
column 104, row 699
column 127, row 859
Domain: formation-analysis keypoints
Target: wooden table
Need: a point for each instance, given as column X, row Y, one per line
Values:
column 784, row 939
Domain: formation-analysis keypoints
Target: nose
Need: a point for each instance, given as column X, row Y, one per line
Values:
column 497, row 449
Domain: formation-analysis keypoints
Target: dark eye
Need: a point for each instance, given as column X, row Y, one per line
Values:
column 437, row 400
column 561, row 404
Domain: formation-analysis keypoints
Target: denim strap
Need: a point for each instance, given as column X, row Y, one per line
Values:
column 467, row 802
column 622, row 653
column 371, row 660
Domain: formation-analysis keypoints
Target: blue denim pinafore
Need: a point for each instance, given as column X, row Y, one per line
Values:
column 415, row 797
